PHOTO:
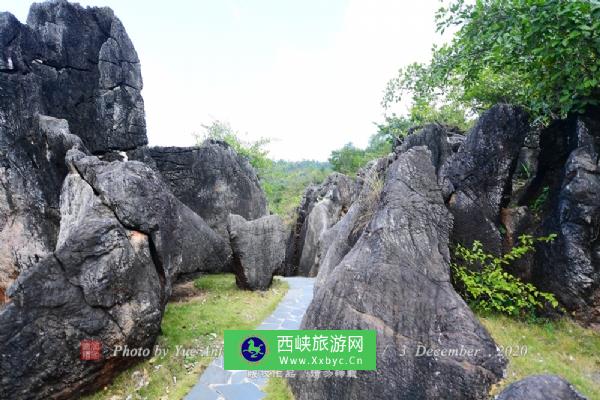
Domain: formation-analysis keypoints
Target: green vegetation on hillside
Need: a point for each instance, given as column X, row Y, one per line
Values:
column 213, row 304
column 350, row 158
column 557, row 347
column 543, row 55
column 284, row 183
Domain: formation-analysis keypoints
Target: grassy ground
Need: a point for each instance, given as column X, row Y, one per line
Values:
column 278, row 389
column 561, row 347
column 197, row 321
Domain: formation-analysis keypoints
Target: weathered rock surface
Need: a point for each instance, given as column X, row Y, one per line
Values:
column 339, row 239
column 212, row 180
column 82, row 67
column 123, row 239
column 540, row 387
column 321, row 207
column 441, row 141
column 77, row 66
column 141, row 201
column 99, row 284
column 32, row 169
column 396, row 280
column 476, row 181
column 570, row 266
column 258, row 250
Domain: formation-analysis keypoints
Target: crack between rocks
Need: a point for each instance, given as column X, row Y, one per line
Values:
column 118, row 62
column 80, row 288
column 63, row 67
column 158, row 265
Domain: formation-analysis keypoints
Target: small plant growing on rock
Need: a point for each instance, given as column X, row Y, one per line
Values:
column 480, row 279
column 539, row 202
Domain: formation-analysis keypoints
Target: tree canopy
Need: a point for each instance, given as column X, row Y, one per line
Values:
column 541, row 54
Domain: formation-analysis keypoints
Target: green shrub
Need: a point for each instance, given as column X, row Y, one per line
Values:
column 481, row 280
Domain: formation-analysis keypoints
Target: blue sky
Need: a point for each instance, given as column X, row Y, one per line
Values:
column 309, row 74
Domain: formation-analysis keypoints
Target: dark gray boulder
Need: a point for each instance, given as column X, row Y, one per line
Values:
column 123, row 239
column 321, row 207
column 212, row 180
column 570, row 266
column 101, row 283
column 258, row 250
column 476, row 181
column 396, row 280
column 540, row 387
column 182, row 241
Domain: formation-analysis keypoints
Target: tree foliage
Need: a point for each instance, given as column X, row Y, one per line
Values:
column 254, row 151
column 541, row 54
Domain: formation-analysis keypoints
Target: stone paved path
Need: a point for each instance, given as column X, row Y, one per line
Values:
column 218, row 384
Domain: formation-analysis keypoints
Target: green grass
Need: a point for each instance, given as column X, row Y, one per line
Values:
column 195, row 323
column 278, row 389
column 558, row 347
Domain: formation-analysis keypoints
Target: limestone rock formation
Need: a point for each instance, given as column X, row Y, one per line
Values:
column 337, row 241
column 476, row 180
column 396, row 280
column 258, row 250
column 570, row 266
column 141, row 200
column 441, row 141
column 88, row 69
column 212, row 180
column 100, row 284
column 540, row 387
column 123, row 239
column 78, row 67
column 321, row 207
column 32, row 169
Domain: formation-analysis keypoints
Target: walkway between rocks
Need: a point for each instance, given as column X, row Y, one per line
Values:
column 218, row 384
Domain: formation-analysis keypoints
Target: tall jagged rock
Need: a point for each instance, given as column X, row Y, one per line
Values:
column 337, row 241
column 321, row 207
column 476, row 181
column 570, row 266
column 212, row 180
column 88, row 69
column 396, row 280
column 78, row 67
